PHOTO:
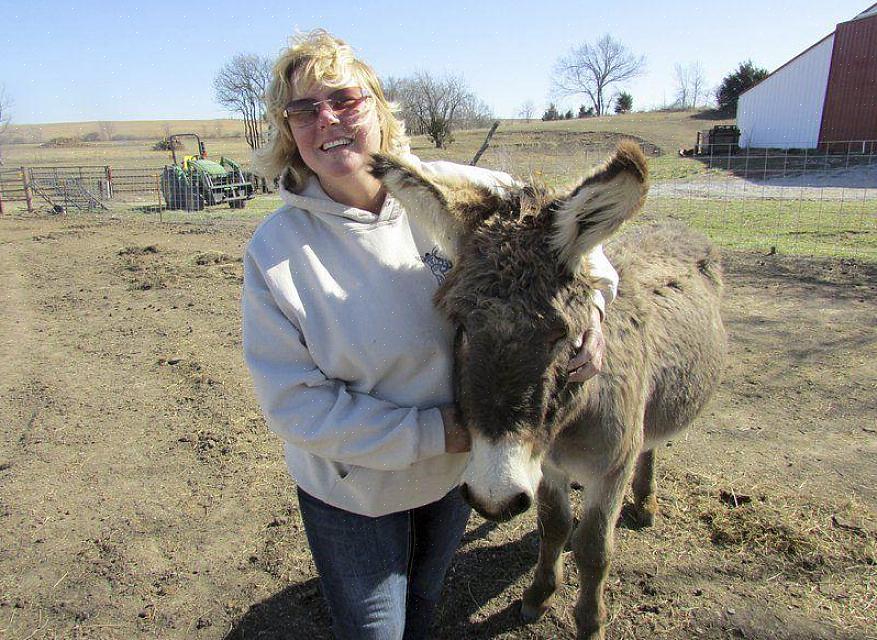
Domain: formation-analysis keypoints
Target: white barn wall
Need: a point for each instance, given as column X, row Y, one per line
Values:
column 785, row 109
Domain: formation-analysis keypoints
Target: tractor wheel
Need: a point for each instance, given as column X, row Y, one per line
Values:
column 194, row 200
column 173, row 188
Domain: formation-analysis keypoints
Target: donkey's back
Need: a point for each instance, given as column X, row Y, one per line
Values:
column 665, row 348
column 665, row 343
column 672, row 278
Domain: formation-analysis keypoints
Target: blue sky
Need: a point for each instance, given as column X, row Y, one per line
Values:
column 89, row 60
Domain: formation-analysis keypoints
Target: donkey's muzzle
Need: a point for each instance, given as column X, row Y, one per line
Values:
column 514, row 507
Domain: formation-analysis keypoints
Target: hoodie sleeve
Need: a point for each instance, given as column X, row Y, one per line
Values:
column 606, row 276
column 598, row 263
column 317, row 414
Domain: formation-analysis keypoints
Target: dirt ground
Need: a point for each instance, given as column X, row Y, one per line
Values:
column 141, row 495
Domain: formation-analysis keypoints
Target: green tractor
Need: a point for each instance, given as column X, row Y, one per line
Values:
column 197, row 182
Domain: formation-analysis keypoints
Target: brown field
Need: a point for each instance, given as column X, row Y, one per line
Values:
column 123, row 129
column 667, row 131
column 142, row 496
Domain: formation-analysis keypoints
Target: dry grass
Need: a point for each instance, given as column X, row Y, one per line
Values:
column 554, row 153
column 823, row 553
column 664, row 131
column 124, row 129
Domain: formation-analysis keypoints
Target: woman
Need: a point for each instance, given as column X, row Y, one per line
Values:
column 351, row 363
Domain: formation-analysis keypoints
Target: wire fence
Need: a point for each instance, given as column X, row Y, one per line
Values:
column 819, row 202
column 119, row 189
column 808, row 202
column 71, row 189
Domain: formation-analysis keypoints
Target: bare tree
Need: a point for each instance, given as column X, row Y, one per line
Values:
column 436, row 106
column 401, row 91
column 682, row 86
column 106, row 130
column 240, row 86
column 590, row 69
column 527, row 110
column 699, row 90
column 690, row 85
column 5, row 118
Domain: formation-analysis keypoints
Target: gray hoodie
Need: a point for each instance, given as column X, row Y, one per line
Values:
column 349, row 358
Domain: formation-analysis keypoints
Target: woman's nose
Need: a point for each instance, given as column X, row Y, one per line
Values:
column 325, row 115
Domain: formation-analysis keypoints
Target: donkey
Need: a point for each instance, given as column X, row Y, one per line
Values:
column 519, row 294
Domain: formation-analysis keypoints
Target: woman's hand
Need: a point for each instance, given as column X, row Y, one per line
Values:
column 457, row 438
column 588, row 362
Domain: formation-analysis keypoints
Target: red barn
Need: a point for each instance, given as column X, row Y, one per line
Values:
column 825, row 96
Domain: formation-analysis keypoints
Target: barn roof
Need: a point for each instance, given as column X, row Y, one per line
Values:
column 867, row 13
column 870, row 11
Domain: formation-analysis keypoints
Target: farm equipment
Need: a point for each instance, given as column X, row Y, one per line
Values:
column 197, row 182
column 722, row 139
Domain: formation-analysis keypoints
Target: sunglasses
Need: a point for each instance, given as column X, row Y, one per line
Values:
column 347, row 104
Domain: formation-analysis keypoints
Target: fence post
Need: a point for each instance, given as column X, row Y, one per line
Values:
column 1, row 197
column 109, row 173
column 28, row 196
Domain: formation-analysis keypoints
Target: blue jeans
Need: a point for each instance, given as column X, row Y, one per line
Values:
column 382, row 577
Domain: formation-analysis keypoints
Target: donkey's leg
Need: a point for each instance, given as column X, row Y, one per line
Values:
column 592, row 546
column 555, row 523
column 645, row 502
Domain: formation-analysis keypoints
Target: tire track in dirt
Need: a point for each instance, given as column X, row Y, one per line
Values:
column 28, row 416
column 123, row 445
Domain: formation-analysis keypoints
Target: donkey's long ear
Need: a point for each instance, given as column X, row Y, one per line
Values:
column 612, row 194
column 447, row 209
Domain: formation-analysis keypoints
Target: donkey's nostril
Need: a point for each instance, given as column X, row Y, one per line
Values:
column 464, row 491
column 520, row 504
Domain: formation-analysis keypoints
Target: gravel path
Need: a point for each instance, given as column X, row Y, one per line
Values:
column 855, row 183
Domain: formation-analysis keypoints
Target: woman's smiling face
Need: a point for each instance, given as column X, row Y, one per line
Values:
column 336, row 148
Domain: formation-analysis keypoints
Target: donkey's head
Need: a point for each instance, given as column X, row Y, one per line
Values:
column 519, row 295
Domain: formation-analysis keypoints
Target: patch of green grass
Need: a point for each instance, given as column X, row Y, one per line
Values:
column 819, row 228
column 256, row 209
column 669, row 167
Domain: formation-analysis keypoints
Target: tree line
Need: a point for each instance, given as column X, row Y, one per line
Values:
column 436, row 106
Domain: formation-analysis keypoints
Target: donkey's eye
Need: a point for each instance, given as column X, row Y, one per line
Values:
column 461, row 339
column 554, row 336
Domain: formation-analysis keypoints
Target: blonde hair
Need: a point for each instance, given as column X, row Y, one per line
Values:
column 311, row 58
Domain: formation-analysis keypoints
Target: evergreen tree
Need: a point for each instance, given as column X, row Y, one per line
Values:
column 624, row 102
column 745, row 76
column 551, row 113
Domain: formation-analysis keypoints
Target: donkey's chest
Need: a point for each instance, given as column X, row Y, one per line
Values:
column 593, row 445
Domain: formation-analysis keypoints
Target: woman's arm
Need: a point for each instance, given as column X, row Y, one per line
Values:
column 320, row 414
